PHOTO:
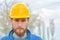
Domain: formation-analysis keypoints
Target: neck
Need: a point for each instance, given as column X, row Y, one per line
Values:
column 23, row 36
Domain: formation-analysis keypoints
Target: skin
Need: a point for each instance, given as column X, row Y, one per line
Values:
column 19, row 26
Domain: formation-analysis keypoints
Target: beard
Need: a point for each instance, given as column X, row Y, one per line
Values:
column 20, row 32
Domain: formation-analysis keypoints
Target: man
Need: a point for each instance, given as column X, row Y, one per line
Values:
column 19, row 16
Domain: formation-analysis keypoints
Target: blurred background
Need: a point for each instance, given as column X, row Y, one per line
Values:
column 44, row 21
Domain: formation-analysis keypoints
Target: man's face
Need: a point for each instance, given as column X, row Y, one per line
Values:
column 19, row 25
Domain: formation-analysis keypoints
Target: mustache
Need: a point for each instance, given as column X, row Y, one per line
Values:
column 20, row 28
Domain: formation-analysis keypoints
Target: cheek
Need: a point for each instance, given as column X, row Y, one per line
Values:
column 14, row 25
column 25, row 26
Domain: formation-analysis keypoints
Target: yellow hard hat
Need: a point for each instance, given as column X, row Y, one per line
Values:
column 19, row 10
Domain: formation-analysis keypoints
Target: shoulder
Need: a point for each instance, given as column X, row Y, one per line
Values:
column 34, row 37
column 4, row 38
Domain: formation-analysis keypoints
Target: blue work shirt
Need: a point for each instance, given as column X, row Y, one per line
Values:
column 30, row 36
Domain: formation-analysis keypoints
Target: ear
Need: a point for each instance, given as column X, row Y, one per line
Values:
column 27, row 21
column 10, row 20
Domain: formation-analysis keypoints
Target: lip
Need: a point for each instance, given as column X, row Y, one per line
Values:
column 20, row 28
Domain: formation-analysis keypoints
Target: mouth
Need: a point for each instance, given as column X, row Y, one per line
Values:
column 20, row 29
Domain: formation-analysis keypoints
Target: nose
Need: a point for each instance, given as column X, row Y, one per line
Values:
column 20, row 24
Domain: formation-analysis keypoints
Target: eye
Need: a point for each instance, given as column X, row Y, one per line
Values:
column 23, row 20
column 16, row 20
